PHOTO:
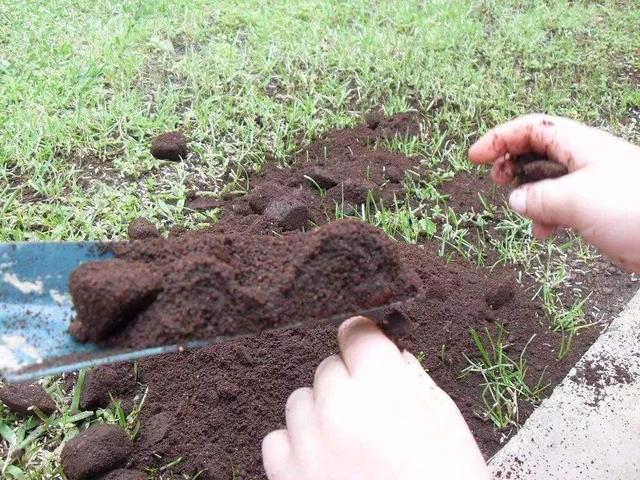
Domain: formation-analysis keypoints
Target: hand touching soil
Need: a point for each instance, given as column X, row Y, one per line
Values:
column 599, row 198
column 373, row 413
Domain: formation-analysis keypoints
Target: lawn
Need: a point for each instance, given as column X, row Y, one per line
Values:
column 86, row 85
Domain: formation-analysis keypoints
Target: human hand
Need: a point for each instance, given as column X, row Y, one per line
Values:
column 373, row 414
column 599, row 198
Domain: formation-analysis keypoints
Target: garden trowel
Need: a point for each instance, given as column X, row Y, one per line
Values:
column 36, row 310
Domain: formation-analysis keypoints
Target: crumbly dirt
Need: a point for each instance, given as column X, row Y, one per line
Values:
column 96, row 451
column 108, row 294
column 23, row 398
column 212, row 285
column 212, row 406
column 342, row 167
column 124, row 474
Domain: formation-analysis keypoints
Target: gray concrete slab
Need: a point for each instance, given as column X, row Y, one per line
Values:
column 589, row 428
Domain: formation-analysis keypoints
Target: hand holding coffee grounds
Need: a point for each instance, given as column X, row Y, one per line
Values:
column 532, row 167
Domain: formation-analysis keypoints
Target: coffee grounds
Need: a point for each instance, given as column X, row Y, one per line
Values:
column 109, row 293
column 337, row 171
column 170, row 146
column 221, row 400
column 103, row 383
column 532, row 167
column 23, row 397
column 124, row 474
column 95, row 452
column 214, row 284
column 212, row 406
column 142, row 228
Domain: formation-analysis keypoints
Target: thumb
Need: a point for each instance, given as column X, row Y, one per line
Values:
column 552, row 202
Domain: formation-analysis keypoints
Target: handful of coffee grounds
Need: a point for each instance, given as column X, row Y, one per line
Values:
column 532, row 167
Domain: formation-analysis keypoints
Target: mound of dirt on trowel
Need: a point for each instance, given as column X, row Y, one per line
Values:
column 215, row 285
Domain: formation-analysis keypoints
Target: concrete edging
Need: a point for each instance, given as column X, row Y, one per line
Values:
column 587, row 428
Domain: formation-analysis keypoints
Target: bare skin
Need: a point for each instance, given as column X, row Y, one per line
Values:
column 373, row 414
column 599, row 198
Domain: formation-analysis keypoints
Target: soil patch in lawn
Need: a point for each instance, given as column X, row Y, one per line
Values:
column 211, row 407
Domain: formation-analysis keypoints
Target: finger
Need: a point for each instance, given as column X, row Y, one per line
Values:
column 276, row 455
column 542, row 231
column 330, row 375
column 298, row 413
column 531, row 133
column 364, row 348
column 551, row 202
column 417, row 369
column 503, row 170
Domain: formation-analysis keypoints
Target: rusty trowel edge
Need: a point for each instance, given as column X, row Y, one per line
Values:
column 106, row 357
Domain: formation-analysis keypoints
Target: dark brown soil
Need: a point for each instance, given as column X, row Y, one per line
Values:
column 124, row 474
column 170, row 146
column 23, row 398
column 532, row 167
column 103, row 383
column 96, row 451
column 141, row 228
column 214, row 285
column 107, row 294
column 212, row 406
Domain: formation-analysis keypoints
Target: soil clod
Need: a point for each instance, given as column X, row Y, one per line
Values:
column 170, row 146
column 141, row 228
column 202, row 203
column 106, row 382
column 96, row 451
column 23, row 398
column 289, row 213
column 156, row 428
column 109, row 293
column 318, row 177
column 532, row 168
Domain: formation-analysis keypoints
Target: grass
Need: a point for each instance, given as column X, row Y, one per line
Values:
column 504, row 380
column 84, row 86
column 30, row 447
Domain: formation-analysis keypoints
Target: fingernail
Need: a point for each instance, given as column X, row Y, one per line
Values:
column 518, row 200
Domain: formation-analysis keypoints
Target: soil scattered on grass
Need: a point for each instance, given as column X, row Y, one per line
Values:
column 342, row 167
column 141, row 228
column 23, row 398
column 96, row 451
column 170, row 146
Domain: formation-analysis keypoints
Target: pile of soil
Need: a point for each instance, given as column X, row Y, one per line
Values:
column 211, row 407
column 204, row 285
